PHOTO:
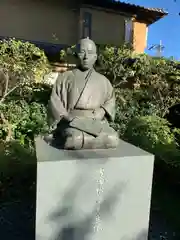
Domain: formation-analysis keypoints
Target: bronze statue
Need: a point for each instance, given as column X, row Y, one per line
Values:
column 81, row 104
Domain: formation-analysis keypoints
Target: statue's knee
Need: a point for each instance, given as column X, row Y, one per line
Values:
column 68, row 143
column 74, row 141
column 113, row 141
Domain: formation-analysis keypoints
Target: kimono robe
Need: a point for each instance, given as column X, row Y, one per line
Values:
column 82, row 93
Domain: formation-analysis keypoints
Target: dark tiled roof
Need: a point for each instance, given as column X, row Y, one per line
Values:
column 148, row 15
column 159, row 10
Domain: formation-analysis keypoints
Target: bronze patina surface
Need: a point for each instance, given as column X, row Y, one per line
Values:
column 81, row 105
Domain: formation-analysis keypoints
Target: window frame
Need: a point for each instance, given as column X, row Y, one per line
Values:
column 87, row 24
column 128, row 30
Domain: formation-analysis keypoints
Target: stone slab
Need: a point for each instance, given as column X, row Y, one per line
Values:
column 47, row 153
column 93, row 195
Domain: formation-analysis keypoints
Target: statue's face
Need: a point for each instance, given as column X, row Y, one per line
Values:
column 87, row 53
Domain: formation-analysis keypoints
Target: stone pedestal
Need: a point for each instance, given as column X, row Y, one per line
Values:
column 94, row 194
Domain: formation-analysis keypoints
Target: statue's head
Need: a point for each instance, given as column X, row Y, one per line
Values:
column 87, row 53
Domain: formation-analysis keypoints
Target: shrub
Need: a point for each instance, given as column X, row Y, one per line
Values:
column 156, row 79
column 20, row 63
column 153, row 134
column 24, row 117
column 131, row 103
column 114, row 63
column 22, row 121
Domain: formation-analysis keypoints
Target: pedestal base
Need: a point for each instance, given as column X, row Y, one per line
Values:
column 93, row 195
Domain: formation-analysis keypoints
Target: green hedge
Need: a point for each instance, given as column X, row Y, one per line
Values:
column 154, row 135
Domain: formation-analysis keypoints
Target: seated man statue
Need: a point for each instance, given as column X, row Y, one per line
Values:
column 81, row 103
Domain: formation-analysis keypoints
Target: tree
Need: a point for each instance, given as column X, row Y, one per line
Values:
column 21, row 64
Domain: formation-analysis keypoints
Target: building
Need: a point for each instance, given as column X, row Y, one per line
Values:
column 52, row 24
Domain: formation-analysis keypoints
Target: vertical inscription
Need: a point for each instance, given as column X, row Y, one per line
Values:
column 99, row 191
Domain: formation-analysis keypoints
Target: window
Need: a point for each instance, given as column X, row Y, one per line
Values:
column 87, row 22
column 128, row 30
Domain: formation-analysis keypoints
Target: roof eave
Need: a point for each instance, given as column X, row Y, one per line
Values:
column 151, row 17
column 146, row 15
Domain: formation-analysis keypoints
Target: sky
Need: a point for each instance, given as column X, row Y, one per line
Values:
column 166, row 29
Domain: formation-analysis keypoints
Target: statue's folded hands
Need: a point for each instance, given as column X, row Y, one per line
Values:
column 99, row 113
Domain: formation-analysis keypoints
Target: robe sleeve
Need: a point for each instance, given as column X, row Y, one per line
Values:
column 109, row 104
column 57, row 107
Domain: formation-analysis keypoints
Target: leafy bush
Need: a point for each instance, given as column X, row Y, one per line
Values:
column 153, row 134
column 22, row 112
column 114, row 63
column 25, row 117
column 156, row 79
column 20, row 63
column 131, row 103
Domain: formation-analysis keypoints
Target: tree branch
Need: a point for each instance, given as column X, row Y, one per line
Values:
column 10, row 91
column 5, row 121
column 6, row 84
